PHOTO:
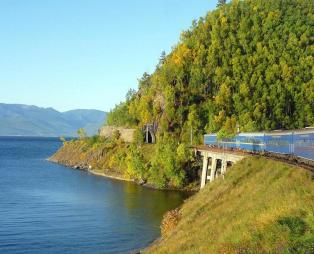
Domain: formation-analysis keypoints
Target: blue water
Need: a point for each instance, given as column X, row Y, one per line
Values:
column 48, row 208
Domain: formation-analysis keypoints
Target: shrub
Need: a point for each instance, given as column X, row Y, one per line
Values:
column 166, row 165
column 170, row 221
column 135, row 163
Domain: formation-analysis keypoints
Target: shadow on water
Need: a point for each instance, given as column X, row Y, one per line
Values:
column 154, row 203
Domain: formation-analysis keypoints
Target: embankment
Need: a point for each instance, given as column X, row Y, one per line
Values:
column 160, row 166
column 99, row 159
column 262, row 206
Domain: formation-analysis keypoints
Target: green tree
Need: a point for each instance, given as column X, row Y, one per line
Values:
column 136, row 167
column 221, row 3
column 81, row 133
column 167, row 163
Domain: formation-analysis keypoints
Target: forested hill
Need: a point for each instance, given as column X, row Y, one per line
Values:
column 247, row 64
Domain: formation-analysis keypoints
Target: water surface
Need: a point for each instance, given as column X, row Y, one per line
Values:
column 48, row 208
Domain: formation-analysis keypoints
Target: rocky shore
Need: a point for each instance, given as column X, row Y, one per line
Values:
column 97, row 160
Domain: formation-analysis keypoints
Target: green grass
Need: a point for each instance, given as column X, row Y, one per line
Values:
column 262, row 206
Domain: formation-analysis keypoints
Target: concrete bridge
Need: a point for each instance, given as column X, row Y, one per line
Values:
column 216, row 162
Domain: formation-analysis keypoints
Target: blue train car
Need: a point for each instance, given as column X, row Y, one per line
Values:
column 279, row 142
column 229, row 143
column 210, row 139
column 299, row 143
column 251, row 141
column 303, row 141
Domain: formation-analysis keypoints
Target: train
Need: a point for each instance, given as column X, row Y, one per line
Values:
column 297, row 145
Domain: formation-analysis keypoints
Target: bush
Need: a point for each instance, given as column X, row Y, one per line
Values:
column 166, row 164
column 135, row 163
column 170, row 221
column 300, row 240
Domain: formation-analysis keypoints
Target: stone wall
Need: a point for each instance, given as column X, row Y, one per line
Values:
column 127, row 135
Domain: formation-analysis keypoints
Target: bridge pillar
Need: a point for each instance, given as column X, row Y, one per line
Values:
column 213, row 155
column 223, row 167
column 204, row 170
column 213, row 168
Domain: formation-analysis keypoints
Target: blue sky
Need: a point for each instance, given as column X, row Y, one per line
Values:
column 71, row 54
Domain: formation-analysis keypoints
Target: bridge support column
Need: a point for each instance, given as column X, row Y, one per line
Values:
column 223, row 167
column 204, row 170
column 210, row 163
column 213, row 168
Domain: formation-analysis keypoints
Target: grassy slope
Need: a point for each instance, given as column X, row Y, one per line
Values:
column 262, row 206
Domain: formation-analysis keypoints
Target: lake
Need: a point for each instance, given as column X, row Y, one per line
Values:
column 48, row 208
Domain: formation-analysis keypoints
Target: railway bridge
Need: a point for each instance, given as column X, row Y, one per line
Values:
column 216, row 162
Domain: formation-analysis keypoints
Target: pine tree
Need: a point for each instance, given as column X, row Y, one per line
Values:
column 221, row 3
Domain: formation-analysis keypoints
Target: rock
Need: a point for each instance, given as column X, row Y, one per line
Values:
column 127, row 134
column 141, row 182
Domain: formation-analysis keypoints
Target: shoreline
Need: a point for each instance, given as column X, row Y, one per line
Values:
column 119, row 178
column 108, row 176
column 91, row 171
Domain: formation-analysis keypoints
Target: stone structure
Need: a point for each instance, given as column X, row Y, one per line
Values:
column 149, row 133
column 127, row 135
column 215, row 163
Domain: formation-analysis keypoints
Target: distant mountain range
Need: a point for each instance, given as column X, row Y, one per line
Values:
column 26, row 120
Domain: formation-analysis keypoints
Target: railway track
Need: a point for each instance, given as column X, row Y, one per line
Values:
column 295, row 161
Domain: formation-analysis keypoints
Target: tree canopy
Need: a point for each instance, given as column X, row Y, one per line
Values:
column 221, row 3
column 248, row 64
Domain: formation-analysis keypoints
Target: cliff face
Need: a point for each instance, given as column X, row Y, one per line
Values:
column 262, row 206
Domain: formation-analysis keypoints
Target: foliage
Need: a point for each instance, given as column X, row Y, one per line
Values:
column 248, row 64
column 95, row 140
column 138, row 136
column 221, row 3
column 229, row 128
column 120, row 116
column 81, row 133
column 168, row 162
column 136, row 167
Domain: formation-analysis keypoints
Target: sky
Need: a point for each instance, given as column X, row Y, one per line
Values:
column 70, row 54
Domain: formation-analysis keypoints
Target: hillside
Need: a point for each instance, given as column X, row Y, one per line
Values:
column 247, row 64
column 262, row 206
column 25, row 120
